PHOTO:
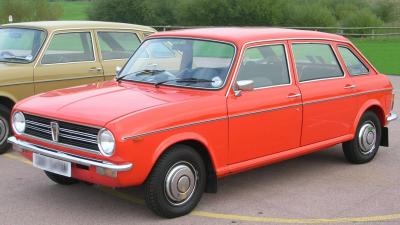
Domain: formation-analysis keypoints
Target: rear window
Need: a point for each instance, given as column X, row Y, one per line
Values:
column 353, row 63
column 315, row 62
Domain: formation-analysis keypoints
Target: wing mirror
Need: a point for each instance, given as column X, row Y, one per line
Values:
column 244, row 85
column 118, row 70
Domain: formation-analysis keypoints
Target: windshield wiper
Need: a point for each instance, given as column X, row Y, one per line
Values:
column 184, row 80
column 141, row 73
column 15, row 58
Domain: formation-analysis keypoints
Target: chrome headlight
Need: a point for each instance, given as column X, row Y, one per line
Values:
column 106, row 142
column 19, row 123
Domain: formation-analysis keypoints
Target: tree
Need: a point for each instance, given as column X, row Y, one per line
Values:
column 35, row 10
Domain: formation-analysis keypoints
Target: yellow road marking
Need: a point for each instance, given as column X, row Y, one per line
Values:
column 235, row 217
column 19, row 158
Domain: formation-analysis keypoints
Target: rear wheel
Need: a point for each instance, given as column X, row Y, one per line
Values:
column 4, row 129
column 176, row 183
column 365, row 144
column 61, row 179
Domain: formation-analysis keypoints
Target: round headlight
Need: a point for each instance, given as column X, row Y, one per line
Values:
column 106, row 142
column 18, row 122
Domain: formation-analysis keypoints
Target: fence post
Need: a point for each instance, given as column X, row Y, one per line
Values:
column 373, row 33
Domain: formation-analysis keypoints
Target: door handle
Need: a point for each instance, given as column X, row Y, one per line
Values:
column 95, row 69
column 350, row 86
column 294, row 95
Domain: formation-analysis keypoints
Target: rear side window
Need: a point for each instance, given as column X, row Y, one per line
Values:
column 69, row 47
column 117, row 45
column 315, row 62
column 353, row 63
column 266, row 66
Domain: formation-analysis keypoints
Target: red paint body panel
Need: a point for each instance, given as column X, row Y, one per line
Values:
column 260, row 127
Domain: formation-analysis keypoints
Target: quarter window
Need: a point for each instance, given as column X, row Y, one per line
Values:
column 69, row 47
column 265, row 65
column 315, row 61
column 353, row 63
column 117, row 45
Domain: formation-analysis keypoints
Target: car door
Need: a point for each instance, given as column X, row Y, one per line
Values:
column 329, row 109
column 268, row 119
column 115, row 49
column 69, row 60
column 360, row 72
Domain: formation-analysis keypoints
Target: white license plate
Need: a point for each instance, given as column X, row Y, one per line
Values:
column 52, row 165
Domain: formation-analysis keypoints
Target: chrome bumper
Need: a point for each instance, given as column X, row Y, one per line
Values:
column 392, row 117
column 68, row 157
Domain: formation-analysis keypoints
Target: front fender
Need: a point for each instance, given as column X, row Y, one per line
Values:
column 181, row 137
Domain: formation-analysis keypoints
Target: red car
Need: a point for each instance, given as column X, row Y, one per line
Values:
column 192, row 106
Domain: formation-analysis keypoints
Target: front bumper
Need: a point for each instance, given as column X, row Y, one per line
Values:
column 68, row 157
column 392, row 117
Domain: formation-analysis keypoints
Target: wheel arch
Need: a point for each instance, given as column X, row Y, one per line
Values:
column 7, row 101
column 198, row 143
column 374, row 106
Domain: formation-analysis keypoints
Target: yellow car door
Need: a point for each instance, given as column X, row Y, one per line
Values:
column 70, row 59
column 115, row 48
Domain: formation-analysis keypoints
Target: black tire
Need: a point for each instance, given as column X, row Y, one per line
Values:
column 61, row 179
column 355, row 151
column 156, row 191
column 5, row 129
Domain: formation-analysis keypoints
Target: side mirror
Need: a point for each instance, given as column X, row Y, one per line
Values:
column 244, row 85
column 118, row 70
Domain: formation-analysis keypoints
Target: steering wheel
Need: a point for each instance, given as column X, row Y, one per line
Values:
column 6, row 53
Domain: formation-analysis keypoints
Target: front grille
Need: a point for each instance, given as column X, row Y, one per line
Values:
column 70, row 134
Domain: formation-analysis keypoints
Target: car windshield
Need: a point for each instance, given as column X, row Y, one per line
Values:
column 20, row 45
column 180, row 62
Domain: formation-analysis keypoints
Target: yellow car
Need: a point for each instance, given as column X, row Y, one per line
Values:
column 40, row 56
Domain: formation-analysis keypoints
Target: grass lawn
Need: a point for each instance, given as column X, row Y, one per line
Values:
column 75, row 10
column 384, row 54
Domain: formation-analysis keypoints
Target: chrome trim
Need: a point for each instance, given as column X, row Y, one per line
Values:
column 78, row 138
column 278, row 39
column 355, row 55
column 68, row 157
column 61, row 120
column 12, row 84
column 62, row 145
column 320, row 79
column 287, row 65
column 78, row 133
column 37, row 124
column 174, row 127
column 392, row 117
column 66, row 79
column 50, row 39
column 263, row 111
column 345, row 96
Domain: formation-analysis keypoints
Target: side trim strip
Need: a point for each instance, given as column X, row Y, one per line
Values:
column 175, row 127
column 345, row 96
column 248, row 114
column 264, row 111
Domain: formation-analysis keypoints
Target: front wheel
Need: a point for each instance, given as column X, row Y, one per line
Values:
column 176, row 183
column 4, row 129
column 365, row 144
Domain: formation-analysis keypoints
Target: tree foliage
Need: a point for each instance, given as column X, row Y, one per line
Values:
column 32, row 10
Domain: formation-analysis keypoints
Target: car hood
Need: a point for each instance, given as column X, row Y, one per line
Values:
column 99, row 103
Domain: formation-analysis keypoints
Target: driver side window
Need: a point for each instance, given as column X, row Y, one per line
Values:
column 266, row 66
column 69, row 47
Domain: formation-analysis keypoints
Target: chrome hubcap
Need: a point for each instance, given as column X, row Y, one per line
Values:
column 3, row 131
column 180, row 183
column 367, row 137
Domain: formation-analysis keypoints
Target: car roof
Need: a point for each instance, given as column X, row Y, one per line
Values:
column 243, row 35
column 56, row 25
